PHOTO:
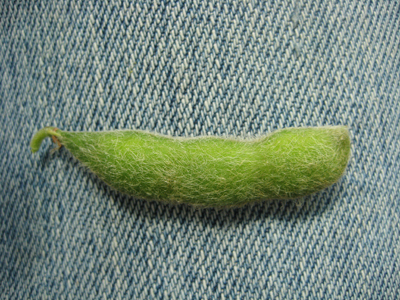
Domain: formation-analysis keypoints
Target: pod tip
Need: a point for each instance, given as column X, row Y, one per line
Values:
column 41, row 135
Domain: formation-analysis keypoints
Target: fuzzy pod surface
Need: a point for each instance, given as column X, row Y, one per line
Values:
column 211, row 171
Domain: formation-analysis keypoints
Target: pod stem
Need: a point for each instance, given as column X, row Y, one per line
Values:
column 41, row 135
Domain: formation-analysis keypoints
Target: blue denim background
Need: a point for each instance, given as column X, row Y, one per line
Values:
column 189, row 68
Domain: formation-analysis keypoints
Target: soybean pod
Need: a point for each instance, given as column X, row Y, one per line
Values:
column 210, row 171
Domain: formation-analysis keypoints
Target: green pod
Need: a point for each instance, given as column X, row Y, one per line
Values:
column 211, row 171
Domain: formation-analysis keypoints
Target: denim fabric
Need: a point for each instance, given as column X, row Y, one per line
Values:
column 190, row 68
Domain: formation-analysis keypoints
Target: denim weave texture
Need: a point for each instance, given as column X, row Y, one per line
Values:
column 192, row 68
